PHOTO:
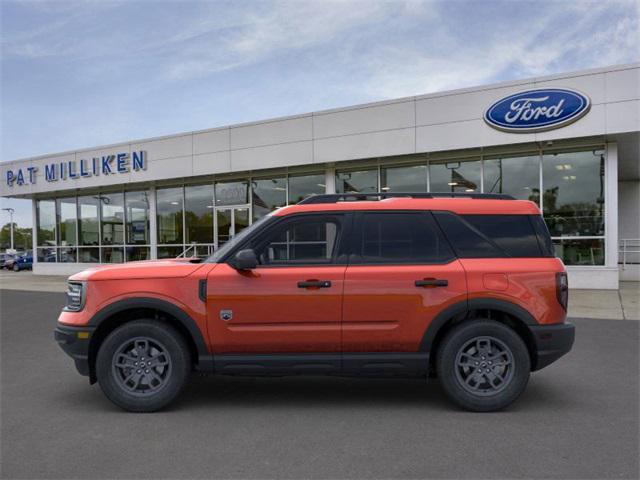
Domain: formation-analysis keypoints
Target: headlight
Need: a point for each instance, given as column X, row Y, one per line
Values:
column 75, row 296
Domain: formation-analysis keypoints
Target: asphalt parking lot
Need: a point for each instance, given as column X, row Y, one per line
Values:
column 577, row 419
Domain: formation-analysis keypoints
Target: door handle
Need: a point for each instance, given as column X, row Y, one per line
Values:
column 314, row 284
column 432, row 282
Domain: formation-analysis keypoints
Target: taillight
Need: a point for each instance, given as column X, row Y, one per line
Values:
column 562, row 289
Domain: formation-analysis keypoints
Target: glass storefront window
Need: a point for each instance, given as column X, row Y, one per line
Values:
column 67, row 221
column 46, row 217
column 515, row 176
column 455, row 176
column 360, row 181
column 47, row 254
column 112, row 218
column 137, row 218
column 573, row 199
column 134, row 254
column 232, row 193
column 112, row 255
column 198, row 213
column 404, row 179
column 267, row 194
column 169, row 252
column 580, row 251
column 88, row 220
column 169, row 207
column 67, row 255
column 89, row 255
column 301, row 186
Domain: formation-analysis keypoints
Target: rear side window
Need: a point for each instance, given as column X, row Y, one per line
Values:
column 399, row 237
column 544, row 237
column 491, row 236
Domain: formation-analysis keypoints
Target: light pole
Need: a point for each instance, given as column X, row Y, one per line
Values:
column 11, row 212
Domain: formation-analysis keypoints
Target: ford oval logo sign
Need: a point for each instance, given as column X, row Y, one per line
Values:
column 537, row 110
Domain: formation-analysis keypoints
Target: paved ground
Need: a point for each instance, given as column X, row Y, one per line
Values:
column 577, row 419
column 602, row 304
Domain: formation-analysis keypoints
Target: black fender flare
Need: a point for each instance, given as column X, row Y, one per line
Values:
column 461, row 309
column 205, row 362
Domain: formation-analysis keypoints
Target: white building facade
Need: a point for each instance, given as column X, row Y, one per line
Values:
column 569, row 142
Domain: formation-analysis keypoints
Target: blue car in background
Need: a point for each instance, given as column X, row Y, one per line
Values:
column 23, row 262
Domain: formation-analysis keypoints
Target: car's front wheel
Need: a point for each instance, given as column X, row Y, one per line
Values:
column 143, row 365
column 483, row 365
column 16, row 268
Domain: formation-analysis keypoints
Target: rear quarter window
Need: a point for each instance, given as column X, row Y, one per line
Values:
column 491, row 236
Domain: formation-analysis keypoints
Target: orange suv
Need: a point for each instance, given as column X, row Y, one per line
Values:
column 464, row 287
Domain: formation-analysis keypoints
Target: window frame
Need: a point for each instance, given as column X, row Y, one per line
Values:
column 355, row 250
column 341, row 253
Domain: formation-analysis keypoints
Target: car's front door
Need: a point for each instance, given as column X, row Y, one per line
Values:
column 401, row 274
column 292, row 301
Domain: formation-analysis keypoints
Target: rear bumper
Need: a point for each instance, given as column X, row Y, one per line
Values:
column 552, row 342
column 75, row 343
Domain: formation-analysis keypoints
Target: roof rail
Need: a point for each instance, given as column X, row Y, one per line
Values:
column 358, row 197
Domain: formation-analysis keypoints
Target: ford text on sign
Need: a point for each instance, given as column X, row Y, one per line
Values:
column 537, row 110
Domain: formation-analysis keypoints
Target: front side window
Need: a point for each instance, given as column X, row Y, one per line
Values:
column 394, row 237
column 302, row 241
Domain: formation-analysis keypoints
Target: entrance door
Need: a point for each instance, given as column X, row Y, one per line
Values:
column 229, row 222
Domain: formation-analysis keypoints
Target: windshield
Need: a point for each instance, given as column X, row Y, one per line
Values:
column 239, row 238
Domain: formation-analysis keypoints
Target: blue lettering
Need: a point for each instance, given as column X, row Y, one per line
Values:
column 83, row 171
column 96, row 168
column 20, row 177
column 10, row 178
column 32, row 174
column 139, row 160
column 63, row 171
column 50, row 173
column 72, row 172
column 106, row 164
column 123, row 166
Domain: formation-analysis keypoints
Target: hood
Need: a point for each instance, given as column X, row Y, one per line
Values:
column 169, row 268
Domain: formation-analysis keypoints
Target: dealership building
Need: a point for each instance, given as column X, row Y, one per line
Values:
column 569, row 142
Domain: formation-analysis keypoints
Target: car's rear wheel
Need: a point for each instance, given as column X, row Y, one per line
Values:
column 143, row 365
column 483, row 365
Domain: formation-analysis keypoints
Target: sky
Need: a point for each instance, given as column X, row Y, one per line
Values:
column 86, row 73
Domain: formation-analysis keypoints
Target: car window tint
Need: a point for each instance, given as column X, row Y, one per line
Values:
column 467, row 241
column 302, row 241
column 512, row 233
column 396, row 237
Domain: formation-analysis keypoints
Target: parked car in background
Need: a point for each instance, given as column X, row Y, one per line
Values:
column 23, row 262
column 7, row 260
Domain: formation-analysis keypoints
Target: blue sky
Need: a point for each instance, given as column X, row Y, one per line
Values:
column 80, row 74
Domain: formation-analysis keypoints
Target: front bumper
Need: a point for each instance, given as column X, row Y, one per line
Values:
column 552, row 342
column 75, row 343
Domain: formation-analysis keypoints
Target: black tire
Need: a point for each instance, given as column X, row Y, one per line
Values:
column 161, row 384
column 16, row 268
column 463, row 365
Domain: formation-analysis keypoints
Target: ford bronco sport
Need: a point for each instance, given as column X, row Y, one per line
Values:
column 462, row 287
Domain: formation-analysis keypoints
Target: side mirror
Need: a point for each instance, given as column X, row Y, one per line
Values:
column 244, row 260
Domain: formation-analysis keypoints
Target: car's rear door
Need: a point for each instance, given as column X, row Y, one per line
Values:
column 401, row 274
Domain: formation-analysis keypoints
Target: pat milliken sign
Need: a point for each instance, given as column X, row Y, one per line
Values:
column 537, row 110
column 105, row 165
